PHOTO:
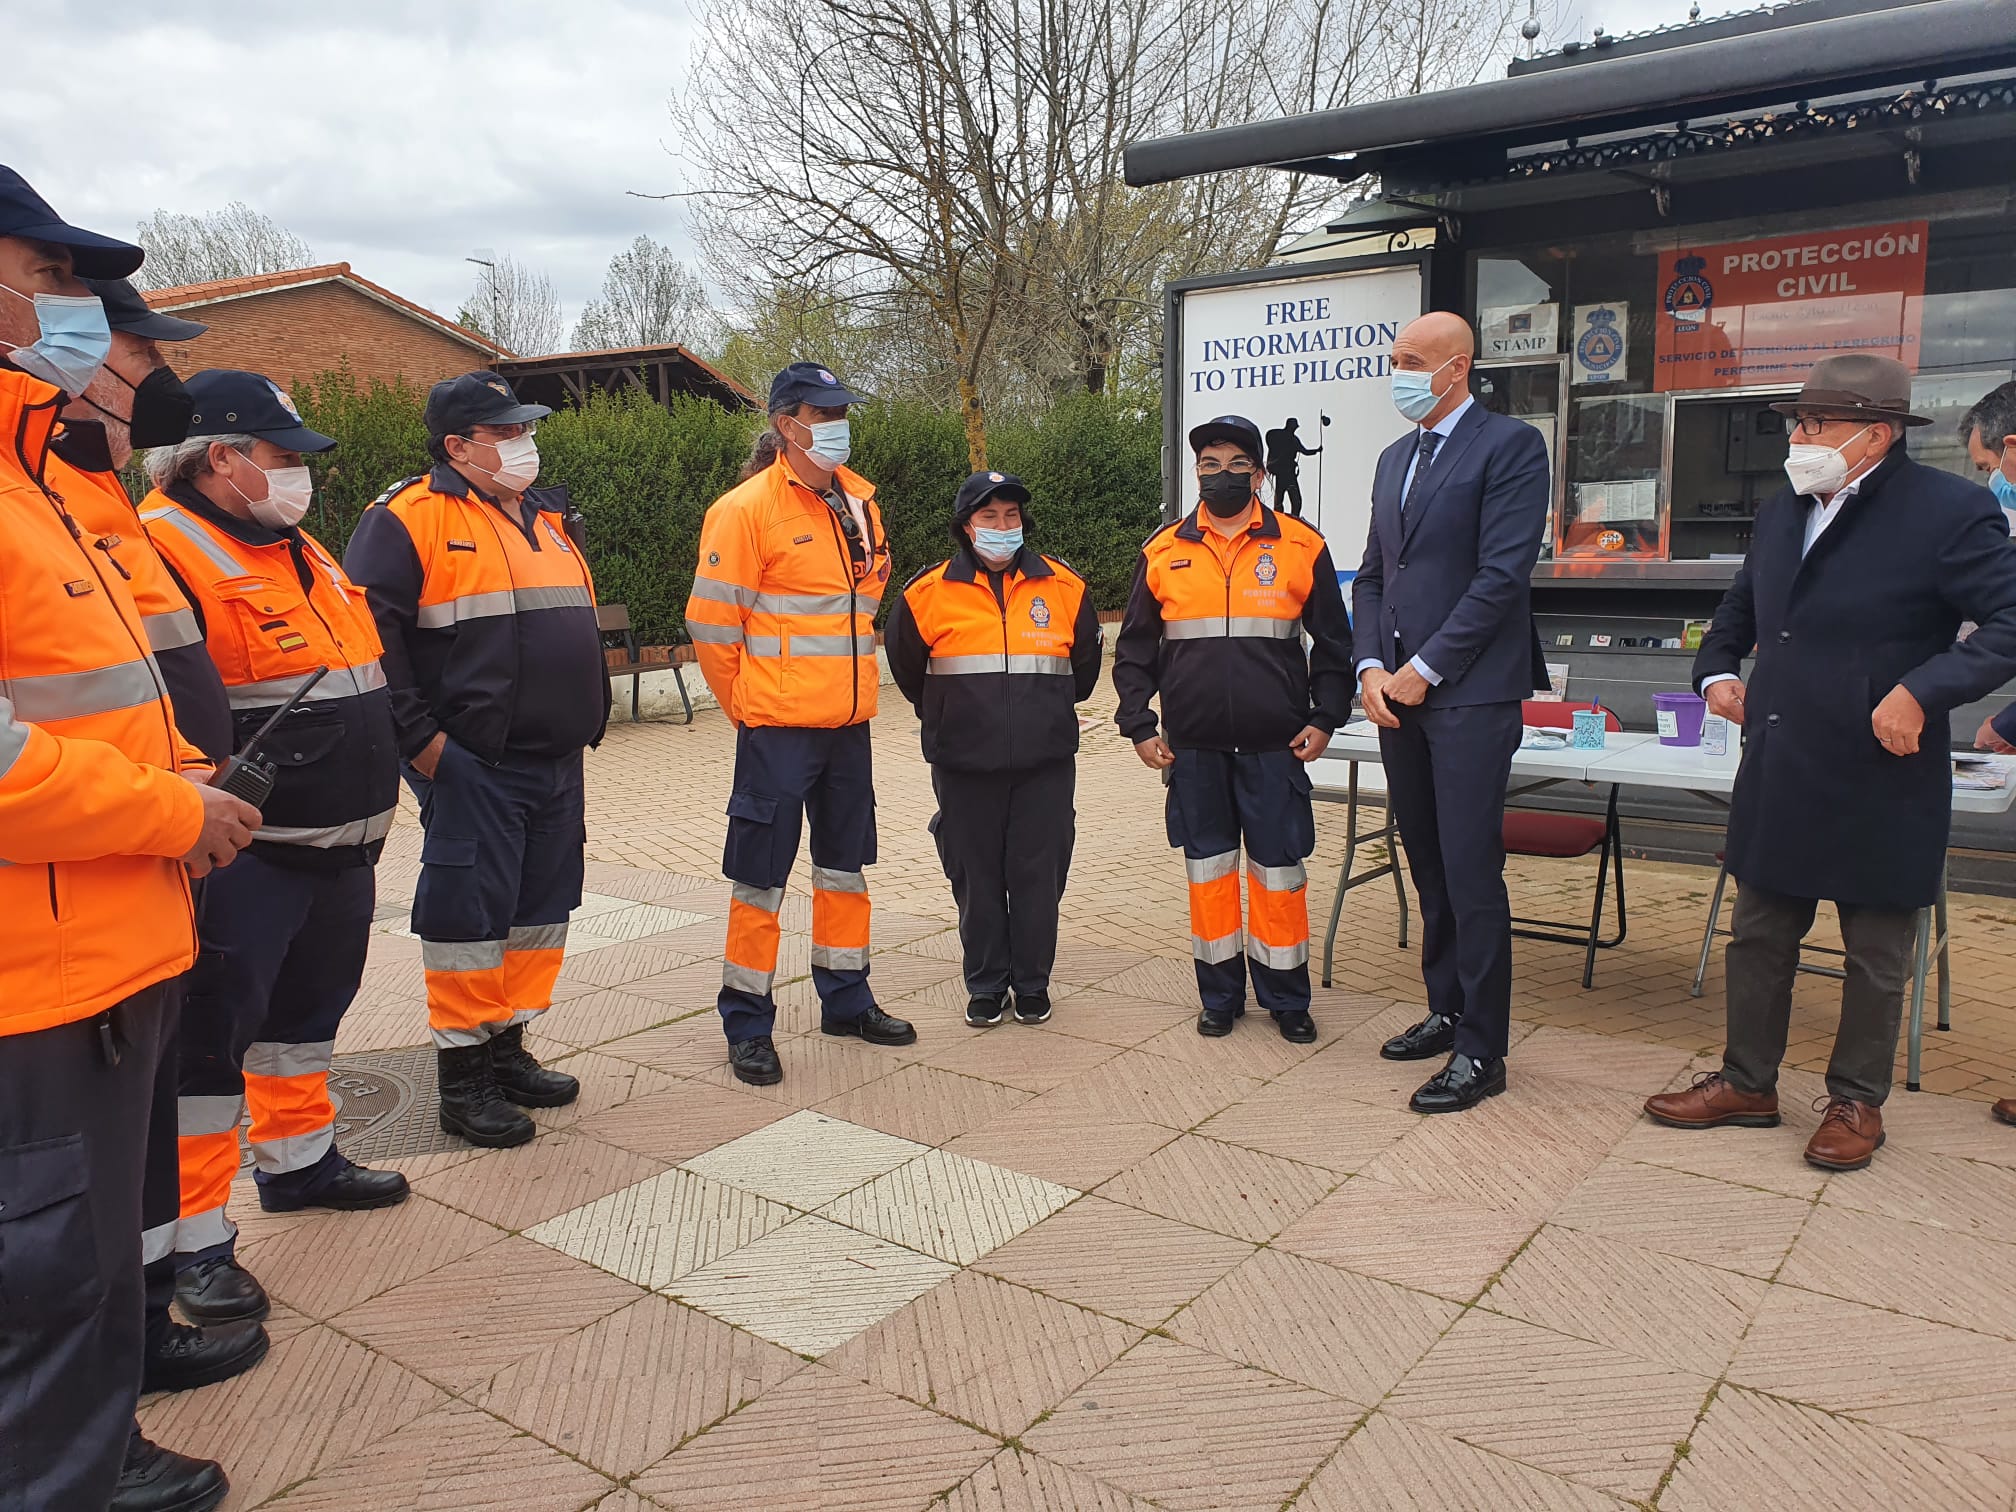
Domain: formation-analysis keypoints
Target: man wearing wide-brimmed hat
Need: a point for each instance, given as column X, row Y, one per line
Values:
column 1858, row 577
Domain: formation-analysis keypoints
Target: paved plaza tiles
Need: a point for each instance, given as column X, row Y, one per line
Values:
column 1104, row 1264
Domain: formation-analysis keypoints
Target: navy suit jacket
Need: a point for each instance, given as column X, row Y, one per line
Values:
column 1453, row 579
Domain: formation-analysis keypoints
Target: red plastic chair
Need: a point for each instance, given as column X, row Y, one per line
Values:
column 1536, row 832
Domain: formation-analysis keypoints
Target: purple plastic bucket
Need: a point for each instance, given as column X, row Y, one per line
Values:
column 1679, row 716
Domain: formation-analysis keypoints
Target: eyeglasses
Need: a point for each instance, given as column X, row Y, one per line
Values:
column 505, row 432
column 1213, row 467
column 1811, row 426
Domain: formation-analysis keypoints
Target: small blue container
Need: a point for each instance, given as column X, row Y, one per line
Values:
column 1588, row 731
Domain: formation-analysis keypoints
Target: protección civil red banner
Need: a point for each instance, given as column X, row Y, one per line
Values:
column 1752, row 313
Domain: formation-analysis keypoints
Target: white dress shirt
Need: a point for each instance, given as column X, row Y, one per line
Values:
column 1445, row 428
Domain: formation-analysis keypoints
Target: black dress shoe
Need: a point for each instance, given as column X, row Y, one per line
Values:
column 1296, row 1026
column 755, row 1061
column 986, row 1012
column 220, row 1291
column 154, row 1479
column 1463, row 1083
column 347, row 1188
column 1215, row 1023
column 522, row 1079
column 1032, row 1007
column 1433, row 1036
column 876, row 1027
column 190, row 1357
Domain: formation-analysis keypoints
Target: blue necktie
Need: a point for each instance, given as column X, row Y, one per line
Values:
column 1424, row 460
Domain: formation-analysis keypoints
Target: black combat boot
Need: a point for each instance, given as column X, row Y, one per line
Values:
column 522, row 1079
column 473, row 1105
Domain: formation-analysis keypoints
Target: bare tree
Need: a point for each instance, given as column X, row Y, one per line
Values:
column 649, row 298
column 515, row 307
column 234, row 242
column 955, row 165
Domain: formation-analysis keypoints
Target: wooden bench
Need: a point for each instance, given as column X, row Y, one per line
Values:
column 613, row 620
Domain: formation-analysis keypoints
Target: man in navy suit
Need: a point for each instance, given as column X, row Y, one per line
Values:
column 1446, row 652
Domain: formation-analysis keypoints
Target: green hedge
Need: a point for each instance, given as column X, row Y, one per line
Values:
column 643, row 476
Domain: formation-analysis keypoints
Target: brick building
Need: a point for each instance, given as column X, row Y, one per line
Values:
column 293, row 325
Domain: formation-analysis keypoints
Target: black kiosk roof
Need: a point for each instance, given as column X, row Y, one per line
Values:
column 1830, row 47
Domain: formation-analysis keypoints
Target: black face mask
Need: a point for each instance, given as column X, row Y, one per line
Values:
column 162, row 410
column 1226, row 493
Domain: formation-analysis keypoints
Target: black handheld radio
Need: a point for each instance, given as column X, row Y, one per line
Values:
column 245, row 775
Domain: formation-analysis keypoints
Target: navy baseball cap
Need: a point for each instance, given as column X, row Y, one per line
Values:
column 26, row 214
column 1237, row 429
column 982, row 486
column 455, row 404
column 234, row 403
column 809, row 383
column 128, row 312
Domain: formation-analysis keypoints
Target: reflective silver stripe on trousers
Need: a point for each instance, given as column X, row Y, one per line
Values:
column 13, row 737
column 1211, row 952
column 1280, row 957
column 461, row 955
column 1211, row 868
column 272, row 1058
column 356, row 832
column 537, row 937
column 72, row 695
column 838, row 881
column 743, row 979
column 838, row 958
column 202, row 1231
column 341, row 682
column 810, row 645
column 173, row 630
column 158, row 1242
column 502, row 601
column 1278, row 878
column 769, row 899
column 722, row 592
column 1239, row 627
column 196, row 1116
column 714, row 635
column 482, row 1034
column 296, row 1152
column 196, row 536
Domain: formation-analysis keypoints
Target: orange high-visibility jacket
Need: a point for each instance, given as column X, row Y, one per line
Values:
column 274, row 607
column 92, row 811
column 487, row 614
column 80, row 469
column 783, row 608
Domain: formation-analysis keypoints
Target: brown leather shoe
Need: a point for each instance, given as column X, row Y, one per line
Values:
column 1711, row 1102
column 1849, row 1135
column 2005, row 1110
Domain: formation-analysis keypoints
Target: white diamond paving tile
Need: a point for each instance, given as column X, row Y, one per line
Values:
column 663, row 1227
column 949, row 1205
column 811, row 1285
column 634, row 921
column 805, row 1160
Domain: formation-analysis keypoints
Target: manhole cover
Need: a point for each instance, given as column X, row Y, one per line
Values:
column 385, row 1105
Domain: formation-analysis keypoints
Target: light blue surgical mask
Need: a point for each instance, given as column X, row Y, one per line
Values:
column 996, row 545
column 2005, row 491
column 76, row 339
column 832, row 441
column 1414, row 392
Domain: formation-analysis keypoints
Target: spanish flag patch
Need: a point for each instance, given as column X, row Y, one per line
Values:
column 293, row 640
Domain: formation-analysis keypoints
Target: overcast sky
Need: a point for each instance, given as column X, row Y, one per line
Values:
column 394, row 135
